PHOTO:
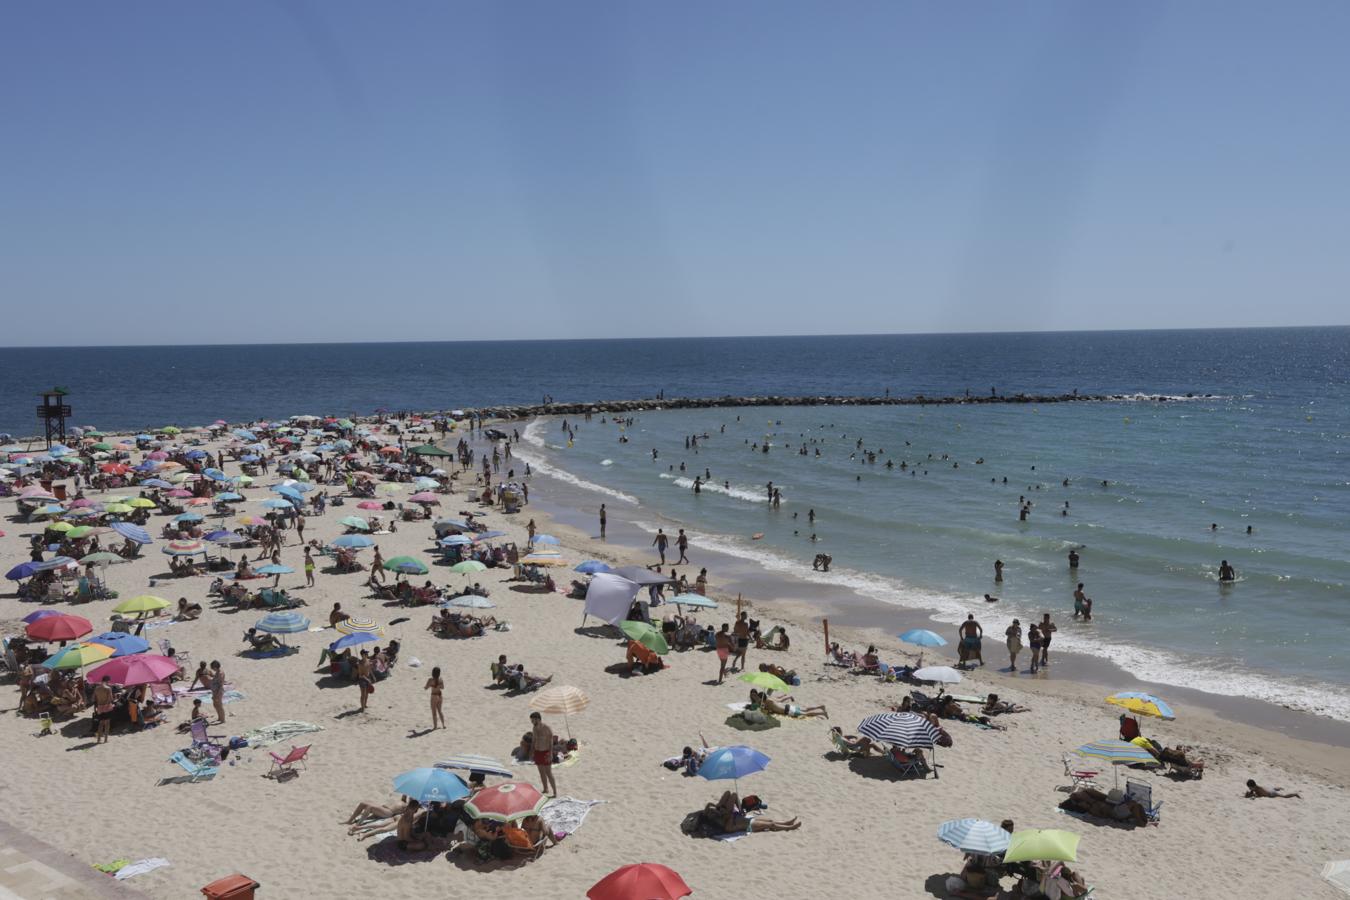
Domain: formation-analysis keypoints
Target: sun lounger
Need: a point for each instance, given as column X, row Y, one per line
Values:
column 1142, row 794
column 197, row 771
column 284, row 765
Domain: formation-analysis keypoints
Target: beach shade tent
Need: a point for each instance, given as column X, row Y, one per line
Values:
column 145, row 603
column 1118, row 753
column 77, row 656
column 591, row 567
column 351, row 640
column 472, row 762
column 974, row 836
column 134, row 533
column 470, row 601
column 922, row 637
column 121, row 643
column 900, row 729
column 353, row 542
column 468, row 566
column 62, row 627
column 1338, row 874
column 128, row 671
column 642, row 576
column 608, row 597
column 356, row 522
column 1142, row 704
column 561, row 699
column 696, row 600
column 282, row 623
column 640, row 881
column 430, row 450
column 360, row 626
column 1042, row 843
column 767, row 681
column 184, row 548
column 40, row 614
column 939, row 674
column 430, row 785
column 406, row 565
column 505, row 802
column 647, row 635
column 733, row 762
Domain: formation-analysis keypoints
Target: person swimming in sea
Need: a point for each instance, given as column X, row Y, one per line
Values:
column 1227, row 574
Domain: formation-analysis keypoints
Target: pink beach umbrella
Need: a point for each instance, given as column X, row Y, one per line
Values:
column 133, row 670
column 424, row 497
column 369, row 504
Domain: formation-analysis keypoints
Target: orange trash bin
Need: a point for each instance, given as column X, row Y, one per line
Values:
column 231, row 887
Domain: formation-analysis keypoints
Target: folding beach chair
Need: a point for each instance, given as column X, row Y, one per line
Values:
column 197, row 771
column 1142, row 794
column 285, row 765
column 1079, row 777
column 908, row 763
column 204, row 741
column 838, row 740
column 182, row 658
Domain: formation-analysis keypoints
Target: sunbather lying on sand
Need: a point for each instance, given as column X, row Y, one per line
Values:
column 1095, row 803
column 778, row 672
column 787, row 708
column 996, row 707
column 1255, row 791
column 728, row 816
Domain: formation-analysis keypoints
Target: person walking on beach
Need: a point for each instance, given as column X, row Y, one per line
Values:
column 661, row 542
column 682, row 544
column 971, row 638
column 541, row 742
column 218, row 691
column 309, row 568
column 436, row 686
column 742, row 632
column 364, row 677
column 1047, row 629
column 1014, row 635
column 1034, row 641
column 602, row 521
column 723, row 643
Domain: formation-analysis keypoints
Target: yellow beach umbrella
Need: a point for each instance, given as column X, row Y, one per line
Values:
column 1042, row 843
column 140, row 503
column 143, row 604
column 117, row 508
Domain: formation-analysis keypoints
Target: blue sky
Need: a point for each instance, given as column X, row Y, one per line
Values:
column 263, row 171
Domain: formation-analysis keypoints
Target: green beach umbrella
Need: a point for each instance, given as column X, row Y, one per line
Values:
column 356, row 522
column 60, row 526
column 143, row 604
column 140, row 503
column 79, row 531
column 117, row 508
column 645, row 634
column 103, row 557
column 102, row 445
column 1042, row 843
column 469, row 565
column 171, row 429
column 767, row 681
column 406, row 565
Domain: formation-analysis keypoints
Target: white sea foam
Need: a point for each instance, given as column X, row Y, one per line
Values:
column 1170, row 398
column 1207, row 676
column 737, row 491
column 539, row 465
column 606, row 462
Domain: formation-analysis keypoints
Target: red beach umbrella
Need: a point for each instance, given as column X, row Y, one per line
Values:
column 133, row 670
column 640, row 881
column 505, row 802
column 62, row 627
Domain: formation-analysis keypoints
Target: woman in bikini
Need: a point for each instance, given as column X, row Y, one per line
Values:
column 436, row 686
column 787, row 708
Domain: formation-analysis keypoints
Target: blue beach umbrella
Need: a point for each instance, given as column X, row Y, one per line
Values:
column 274, row 569
column 286, row 490
column 430, row 785
column 56, row 562
column 455, row 540
column 353, row 541
column 215, row 474
column 189, row 517
column 229, row 496
column 732, row 762
column 546, row 539
column 195, row 454
column 122, row 644
column 282, row 623
column 486, row 535
column 592, row 567
column 351, row 640
column 922, row 637
column 156, row 483
column 134, row 533
column 274, row 503
column 696, row 600
column 974, row 836
column 21, row 571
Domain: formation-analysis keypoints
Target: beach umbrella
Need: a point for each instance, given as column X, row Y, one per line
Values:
column 430, row 785
column 285, row 490
column 80, row 531
column 474, row 763
column 542, row 559
column 178, row 493
column 225, row 537
column 121, row 643
column 591, row 567
column 141, row 503
column 646, row 634
column 184, row 548
column 56, row 562
column 215, row 474
column 1142, row 704
column 546, row 539
column 356, row 522
column 471, row 601
column 134, row 533
column 188, row 517
column 22, row 571
column 252, row 520
column 732, row 762
column 40, row 614
column 695, row 600
column 229, row 497
column 77, row 656
column 974, row 836
column 922, row 637
column 1042, row 843
column 61, row 527
column 1118, row 753
column 351, row 640
column 274, row 569
column 468, row 566
column 282, row 623
column 406, row 565
column 103, row 558
column 360, row 626
column 425, row 497
column 129, row 671
column 117, row 509
column 426, row 484
column 370, row 504
column 62, row 627
column 767, row 681
column 274, row 503
column 505, row 802
column 455, row 540
column 902, row 729
column 561, row 699
column 353, row 541
column 640, row 881
column 143, row 604
column 940, row 674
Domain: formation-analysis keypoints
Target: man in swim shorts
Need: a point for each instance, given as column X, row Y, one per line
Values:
column 971, row 635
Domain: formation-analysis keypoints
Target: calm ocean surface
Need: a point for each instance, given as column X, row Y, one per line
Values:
column 1270, row 449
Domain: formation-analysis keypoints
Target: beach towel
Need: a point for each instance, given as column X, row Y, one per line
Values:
column 110, row 868
column 565, row 814
column 278, row 732
column 140, row 867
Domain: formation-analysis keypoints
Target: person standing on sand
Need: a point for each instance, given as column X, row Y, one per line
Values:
column 309, row 568
column 742, row 632
column 1047, row 629
column 723, row 644
column 682, row 544
column 1014, row 635
column 103, row 710
column 530, row 530
column 971, row 638
column 661, row 542
column 436, row 686
column 300, row 527
column 541, row 740
column 218, row 691
column 602, row 521
column 364, row 678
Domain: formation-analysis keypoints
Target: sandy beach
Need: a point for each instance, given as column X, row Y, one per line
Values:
column 864, row 830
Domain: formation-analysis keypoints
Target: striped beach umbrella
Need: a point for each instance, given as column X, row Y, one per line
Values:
column 974, row 836
column 282, row 623
column 1118, row 753
column 360, row 626
column 561, row 699
column 506, row 802
column 903, row 729
column 1142, row 704
column 134, row 533
column 472, row 762
column 184, row 548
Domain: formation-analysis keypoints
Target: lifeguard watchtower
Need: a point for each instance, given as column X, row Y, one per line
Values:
column 53, row 413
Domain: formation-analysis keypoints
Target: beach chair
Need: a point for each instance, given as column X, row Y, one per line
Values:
column 519, row 842
column 1078, row 776
column 285, row 765
column 907, row 763
column 196, row 771
column 162, row 693
column 1142, row 794
column 845, row 749
column 202, row 740
column 181, row 658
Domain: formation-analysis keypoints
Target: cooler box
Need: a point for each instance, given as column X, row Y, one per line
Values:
column 231, row 887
